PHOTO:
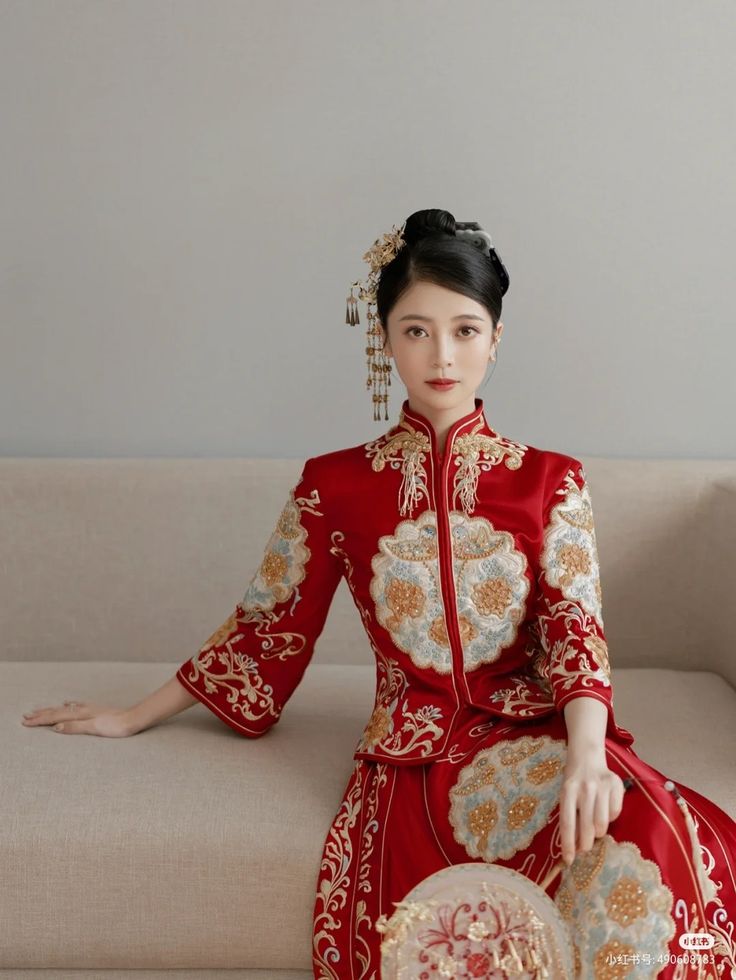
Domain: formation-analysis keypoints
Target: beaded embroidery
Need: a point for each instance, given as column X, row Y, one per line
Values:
column 406, row 447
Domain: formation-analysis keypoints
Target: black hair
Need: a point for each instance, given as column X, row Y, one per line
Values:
column 433, row 254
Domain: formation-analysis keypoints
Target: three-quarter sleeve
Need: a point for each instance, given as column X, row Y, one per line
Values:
column 249, row 668
column 570, row 620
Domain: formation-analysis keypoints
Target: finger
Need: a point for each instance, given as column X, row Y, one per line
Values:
column 78, row 705
column 79, row 727
column 50, row 716
column 601, row 811
column 586, row 805
column 618, row 793
column 568, row 803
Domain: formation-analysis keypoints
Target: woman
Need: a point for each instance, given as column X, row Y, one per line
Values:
column 472, row 561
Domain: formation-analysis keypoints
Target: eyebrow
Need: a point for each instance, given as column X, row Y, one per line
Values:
column 428, row 319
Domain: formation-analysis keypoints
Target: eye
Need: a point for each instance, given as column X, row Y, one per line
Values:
column 464, row 327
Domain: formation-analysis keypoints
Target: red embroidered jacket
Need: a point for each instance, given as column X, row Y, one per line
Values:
column 475, row 574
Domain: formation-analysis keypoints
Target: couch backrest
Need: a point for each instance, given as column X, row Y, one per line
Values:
column 141, row 559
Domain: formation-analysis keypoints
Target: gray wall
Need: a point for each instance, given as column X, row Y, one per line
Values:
column 187, row 190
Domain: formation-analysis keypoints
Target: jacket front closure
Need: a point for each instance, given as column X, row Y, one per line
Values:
column 440, row 467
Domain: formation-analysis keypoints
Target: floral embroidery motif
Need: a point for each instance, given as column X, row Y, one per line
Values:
column 569, row 554
column 248, row 694
column 563, row 663
column 282, row 570
column 371, row 824
column 719, row 923
column 337, row 538
column 615, row 904
column 526, row 696
column 277, row 579
column 285, row 558
column 490, row 581
column 506, row 794
column 419, row 728
column 467, row 451
column 335, row 878
column 407, row 448
column 470, row 920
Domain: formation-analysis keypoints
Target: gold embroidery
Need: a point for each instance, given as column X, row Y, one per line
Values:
column 482, row 819
column 491, row 584
column 564, row 662
column 281, row 572
column 378, row 725
column 370, row 824
column 586, row 866
column 544, row 771
column 403, row 600
column 283, row 567
column 221, row 633
column 273, row 568
column 277, row 579
column 248, row 694
column 598, row 647
column 613, row 961
column 520, row 812
column 335, row 878
column 512, row 753
column 483, row 775
column 569, row 556
column 338, row 536
column 469, row 448
column 616, row 906
column 720, row 924
column 527, row 696
column 492, row 811
column 418, row 728
column 407, row 448
column 493, row 597
column 438, row 632
column 575, row 561
column 626, row 901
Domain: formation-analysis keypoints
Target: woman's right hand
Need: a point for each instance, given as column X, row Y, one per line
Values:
column 84, row 719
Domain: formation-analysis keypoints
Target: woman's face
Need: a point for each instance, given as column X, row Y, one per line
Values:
column 434, row 332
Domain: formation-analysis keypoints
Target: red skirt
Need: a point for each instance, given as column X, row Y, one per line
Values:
column 656, row 874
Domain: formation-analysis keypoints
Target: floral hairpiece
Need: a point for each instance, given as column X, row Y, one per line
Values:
column 381, row 252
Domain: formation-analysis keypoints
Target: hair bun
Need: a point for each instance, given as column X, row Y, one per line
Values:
column 431, row 221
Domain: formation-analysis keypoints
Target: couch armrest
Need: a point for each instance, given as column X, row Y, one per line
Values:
column 717, row 589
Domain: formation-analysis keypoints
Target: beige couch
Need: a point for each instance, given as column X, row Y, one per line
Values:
column 188, row 851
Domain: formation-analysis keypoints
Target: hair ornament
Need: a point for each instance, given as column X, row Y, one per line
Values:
column 381, row 252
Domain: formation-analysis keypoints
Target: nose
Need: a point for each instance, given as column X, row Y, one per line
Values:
column 443, row 353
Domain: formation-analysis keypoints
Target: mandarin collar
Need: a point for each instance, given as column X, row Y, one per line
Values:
column 459, row 427
column 472, row 446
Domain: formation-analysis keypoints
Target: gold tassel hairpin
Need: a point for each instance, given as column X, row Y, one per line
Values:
column 379, row 254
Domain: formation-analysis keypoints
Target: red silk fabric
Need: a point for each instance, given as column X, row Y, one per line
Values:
column 475, row 571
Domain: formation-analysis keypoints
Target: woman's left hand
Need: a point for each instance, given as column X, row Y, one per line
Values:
column 591, row 797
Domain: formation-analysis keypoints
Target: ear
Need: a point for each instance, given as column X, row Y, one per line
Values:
column 499, row 330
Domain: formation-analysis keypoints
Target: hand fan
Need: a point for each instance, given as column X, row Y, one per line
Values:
column 476, row 920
